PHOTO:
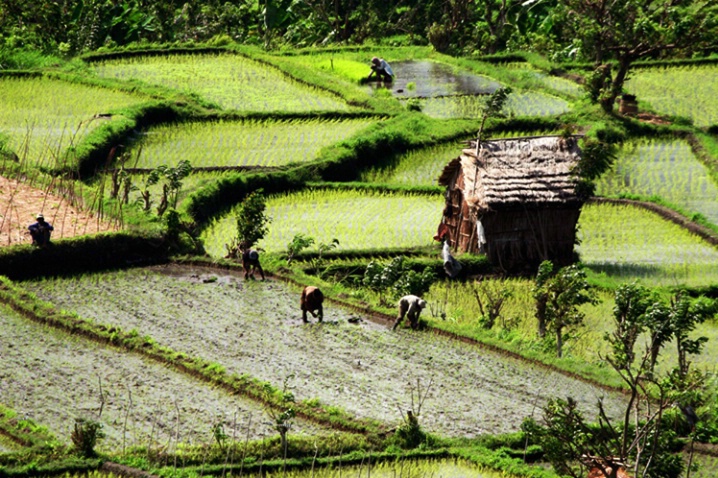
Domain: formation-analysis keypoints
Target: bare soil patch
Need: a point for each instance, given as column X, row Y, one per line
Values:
column 255, row 328
column 20, row 204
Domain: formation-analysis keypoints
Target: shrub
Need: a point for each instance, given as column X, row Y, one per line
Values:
column 85, row 435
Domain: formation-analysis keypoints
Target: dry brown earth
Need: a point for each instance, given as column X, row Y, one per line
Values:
column 20, row 203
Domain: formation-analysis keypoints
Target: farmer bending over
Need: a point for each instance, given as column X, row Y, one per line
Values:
column 40, row 231
column 381, row 69
column 312, row 299
column 411, row 306
column 250, row 262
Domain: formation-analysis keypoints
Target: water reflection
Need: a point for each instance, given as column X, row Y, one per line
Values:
column 431, row 79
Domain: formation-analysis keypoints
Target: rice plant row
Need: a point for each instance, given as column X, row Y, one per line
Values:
column 667, row 169
column 358, row 220
column 255, row 328
column 632, row 243
column 423, row 167
column 52, row 378
column 232, row 81
column 690, row 91
column 555, row 83
column 242, row 143
column 518, row 104
column 457, row 301
column 628, row 241
column 42, row 117
column 390, row 469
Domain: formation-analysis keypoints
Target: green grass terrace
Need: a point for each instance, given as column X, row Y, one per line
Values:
column 229, row 80
column 42, row 117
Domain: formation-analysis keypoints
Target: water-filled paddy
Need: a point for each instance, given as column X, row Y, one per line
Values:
column 231, row 81
column 429, row 79
column 667, row 169
column 52, row 378
column 364, row 368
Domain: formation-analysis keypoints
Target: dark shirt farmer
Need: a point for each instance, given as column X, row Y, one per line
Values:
column 40, row 231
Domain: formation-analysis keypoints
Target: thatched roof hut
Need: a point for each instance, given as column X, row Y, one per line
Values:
column 515, row 200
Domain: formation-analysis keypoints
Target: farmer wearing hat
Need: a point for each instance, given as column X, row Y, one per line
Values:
column 381, row 69
column 40, row 231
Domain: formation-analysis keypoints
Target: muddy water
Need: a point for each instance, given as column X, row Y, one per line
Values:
column 360, row 366
column 436, row 79
column 52, row 378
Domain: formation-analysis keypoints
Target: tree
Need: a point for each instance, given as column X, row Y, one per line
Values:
column 298, row 243
column 558, row 297
column 252, row 222
column 499, row 23
column 629, row 30
column 280, row 408
column 173, row 179
column 493, row 106
column 639, row 440
column 490, row 297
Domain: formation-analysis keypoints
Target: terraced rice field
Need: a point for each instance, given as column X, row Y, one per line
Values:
column 53, row 378
column 401, row 468
column 423, row 167
column 667, row 169
column 556, row 83
column 689, row 91
column 363, row 367
column 426, row 79
column 457, row 301
column 231, row 81
column 562, row 85
column 518, row 104
column 241, row 143
column 20, row 202
column 358, row 220
column 42, row 117
column 630, row 243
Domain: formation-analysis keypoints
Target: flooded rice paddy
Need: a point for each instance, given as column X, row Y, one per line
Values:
column 348, row 361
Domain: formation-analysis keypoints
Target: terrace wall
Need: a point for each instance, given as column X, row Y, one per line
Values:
column 82, row 254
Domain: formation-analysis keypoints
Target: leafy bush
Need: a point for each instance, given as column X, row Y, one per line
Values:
column 85, row 435
column 397, row 278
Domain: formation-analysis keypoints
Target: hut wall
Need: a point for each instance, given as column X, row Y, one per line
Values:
column 456, row 211
column 520, row 239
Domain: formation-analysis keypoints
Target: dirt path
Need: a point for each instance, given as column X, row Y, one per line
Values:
column 20, row 203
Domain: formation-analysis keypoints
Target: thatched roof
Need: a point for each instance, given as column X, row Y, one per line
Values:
column 508, row 172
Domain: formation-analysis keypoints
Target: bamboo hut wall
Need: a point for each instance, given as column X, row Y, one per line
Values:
column 523, row 238
column 456, row 210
